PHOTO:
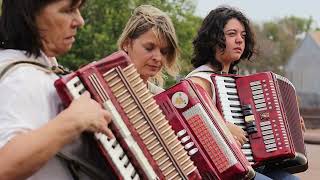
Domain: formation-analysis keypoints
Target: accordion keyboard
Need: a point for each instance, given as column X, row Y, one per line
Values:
column 111, row 146
column 231, row 109
column 149, row 122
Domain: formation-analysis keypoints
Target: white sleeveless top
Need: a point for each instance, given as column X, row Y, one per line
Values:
column 204, row 72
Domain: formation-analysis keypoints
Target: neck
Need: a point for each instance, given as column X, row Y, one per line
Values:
column 225, row 67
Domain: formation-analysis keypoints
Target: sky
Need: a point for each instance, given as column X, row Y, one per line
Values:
column 266, row 10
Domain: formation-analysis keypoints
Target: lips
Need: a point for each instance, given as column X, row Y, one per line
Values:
column 70, row 38
column 238, row 49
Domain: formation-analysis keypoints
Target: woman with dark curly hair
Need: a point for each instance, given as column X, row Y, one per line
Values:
column 224, row 39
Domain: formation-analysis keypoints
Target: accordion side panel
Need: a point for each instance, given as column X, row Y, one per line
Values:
column 201, row 135
column 150, row 124
column 288, row 95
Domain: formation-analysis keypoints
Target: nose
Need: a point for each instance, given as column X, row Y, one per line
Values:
column 157, row 55
column 239, row 39
column 78, row 20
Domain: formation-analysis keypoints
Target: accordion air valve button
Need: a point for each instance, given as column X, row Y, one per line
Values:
column 193, row 151
column 181, row 133
column 189, row 145
column 185, row 139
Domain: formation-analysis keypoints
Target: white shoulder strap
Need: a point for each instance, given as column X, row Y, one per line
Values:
column 205, row 75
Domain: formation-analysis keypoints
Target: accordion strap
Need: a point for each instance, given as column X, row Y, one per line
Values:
column 77, row 165
column 6, row 67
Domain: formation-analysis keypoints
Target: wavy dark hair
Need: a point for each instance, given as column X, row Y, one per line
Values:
column 18, row 29
column 211, row 36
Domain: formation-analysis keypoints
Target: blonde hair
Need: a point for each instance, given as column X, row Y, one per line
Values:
column 144, row 18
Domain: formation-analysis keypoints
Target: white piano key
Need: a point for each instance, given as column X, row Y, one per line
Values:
column 233, row 120
column 247, row 151
column 224, row 90
column 250, row 158
column 229, row 113
column 246, row 146
column 262, row 105
column 257, row 92
column 265, row 123
column 259, row 101
column 270, row 141
column 267, row 137
column 261, row 109
column 264, row 133
column 221, row 78
column 255, row 83
column 254, row 88
column 259, row 96
column 226, row 96
column 265, row 128
column 270, row 146
column 272, row 149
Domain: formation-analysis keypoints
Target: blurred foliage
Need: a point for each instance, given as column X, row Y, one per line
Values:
column 276, row 42
column 105, row 19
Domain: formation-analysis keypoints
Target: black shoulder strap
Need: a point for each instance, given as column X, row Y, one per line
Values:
column 75, row 165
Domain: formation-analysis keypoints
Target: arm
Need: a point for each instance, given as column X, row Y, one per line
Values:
column 29, row 151
column 236, row 131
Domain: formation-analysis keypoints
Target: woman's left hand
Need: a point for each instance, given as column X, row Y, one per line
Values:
column 303, row 126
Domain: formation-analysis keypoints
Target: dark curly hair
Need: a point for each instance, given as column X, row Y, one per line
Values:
column 211, row 35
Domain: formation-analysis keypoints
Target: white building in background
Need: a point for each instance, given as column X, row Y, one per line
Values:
column 303, row 70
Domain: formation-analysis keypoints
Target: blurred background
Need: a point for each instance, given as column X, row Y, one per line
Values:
column 287, row 34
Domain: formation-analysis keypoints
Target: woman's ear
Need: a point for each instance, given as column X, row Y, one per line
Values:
column 126, row 45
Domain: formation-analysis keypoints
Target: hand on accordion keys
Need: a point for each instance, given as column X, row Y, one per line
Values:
column 238, row 134
column 303, row 126
column 88, row 115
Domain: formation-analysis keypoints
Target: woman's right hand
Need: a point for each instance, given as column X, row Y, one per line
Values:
column 89, row 115
column 238, row 133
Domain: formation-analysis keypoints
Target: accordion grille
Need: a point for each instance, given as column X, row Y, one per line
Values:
column 149, row 122
column 292, row 112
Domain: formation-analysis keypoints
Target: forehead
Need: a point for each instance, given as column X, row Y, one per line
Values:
column 155, row 36
column 234, row 24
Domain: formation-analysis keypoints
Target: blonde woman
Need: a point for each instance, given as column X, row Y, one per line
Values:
column 150, row 40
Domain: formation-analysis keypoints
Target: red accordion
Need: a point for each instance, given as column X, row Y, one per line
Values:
column 203, row 132
column 265, row 106
column 145, row 146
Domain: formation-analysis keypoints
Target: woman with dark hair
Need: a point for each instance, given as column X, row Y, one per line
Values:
column 224, row 39
column 33, row 127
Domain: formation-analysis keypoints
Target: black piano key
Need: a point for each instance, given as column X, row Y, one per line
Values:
column 247, row 112
column 229, row 81
column 230, row 86
column 77, row 83
column 246, row 107
column 134, row 174
column 235, row 106
column 251, row 124
column 232, row 93
column 251, row 130
column 236, row 111
column 233, row 99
